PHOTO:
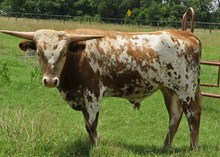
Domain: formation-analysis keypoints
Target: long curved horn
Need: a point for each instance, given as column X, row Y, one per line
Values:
column 77, row 38
column 25, row 35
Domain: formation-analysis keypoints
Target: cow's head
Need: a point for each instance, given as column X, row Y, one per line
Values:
column 51, row 47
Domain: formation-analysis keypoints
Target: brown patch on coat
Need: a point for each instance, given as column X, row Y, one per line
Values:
column 55, row 47
column 60, row 37
column 44, row 45
column 169, row 66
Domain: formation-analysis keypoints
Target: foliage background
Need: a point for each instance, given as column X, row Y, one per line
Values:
column 152, row 10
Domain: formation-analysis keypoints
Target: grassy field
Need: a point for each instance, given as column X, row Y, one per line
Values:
column 35, row 121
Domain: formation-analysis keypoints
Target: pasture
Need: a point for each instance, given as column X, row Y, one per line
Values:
column 35, row 121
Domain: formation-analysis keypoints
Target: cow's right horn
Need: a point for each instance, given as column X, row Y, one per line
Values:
column 24, row 35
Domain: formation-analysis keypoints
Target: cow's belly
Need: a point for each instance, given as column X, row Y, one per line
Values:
column 133, row 93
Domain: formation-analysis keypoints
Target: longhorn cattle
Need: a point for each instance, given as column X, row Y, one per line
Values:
column 86, row 65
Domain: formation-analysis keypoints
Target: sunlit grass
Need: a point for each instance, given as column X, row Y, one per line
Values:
column 23, row 24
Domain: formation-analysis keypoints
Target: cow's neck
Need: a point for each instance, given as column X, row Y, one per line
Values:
column 71, row 76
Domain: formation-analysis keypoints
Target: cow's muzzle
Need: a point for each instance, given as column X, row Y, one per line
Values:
column 50, row 81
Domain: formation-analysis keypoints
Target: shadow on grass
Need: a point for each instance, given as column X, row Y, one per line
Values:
column 78, row 148
column 145, row 150
column 82, row 148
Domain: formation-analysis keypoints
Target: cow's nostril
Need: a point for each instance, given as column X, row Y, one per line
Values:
column 55, row 83
column 50, row 81
column 45, row 81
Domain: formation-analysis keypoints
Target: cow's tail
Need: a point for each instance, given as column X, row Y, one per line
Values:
column 190, row 12
column 198, row 90
column 198, row 94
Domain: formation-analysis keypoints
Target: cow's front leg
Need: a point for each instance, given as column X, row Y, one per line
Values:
column 91, row 125
column 91, row 114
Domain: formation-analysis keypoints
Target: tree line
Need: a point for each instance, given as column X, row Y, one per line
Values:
column 148, row 10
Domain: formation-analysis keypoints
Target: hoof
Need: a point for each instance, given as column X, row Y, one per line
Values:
column 94, row 141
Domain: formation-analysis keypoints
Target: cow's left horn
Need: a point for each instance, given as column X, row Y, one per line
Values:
column 25, row 35
column 77, row 38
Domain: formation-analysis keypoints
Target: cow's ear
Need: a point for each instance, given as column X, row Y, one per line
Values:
column 28, row 46
column 76, row 47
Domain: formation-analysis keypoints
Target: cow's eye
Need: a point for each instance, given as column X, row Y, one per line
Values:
column 64, row 54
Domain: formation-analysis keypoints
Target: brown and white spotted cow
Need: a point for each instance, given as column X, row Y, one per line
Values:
column 86, row 65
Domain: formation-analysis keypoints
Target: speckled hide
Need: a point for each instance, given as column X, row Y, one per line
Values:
column 87, row 65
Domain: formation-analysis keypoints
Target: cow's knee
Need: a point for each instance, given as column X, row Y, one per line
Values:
column 91, row 126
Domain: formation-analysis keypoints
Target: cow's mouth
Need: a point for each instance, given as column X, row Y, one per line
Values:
column 50, row 81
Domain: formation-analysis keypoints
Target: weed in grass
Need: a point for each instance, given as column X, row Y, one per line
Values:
column 4, row 73
column 21, row 132
column 2, row 46
column 35, row 74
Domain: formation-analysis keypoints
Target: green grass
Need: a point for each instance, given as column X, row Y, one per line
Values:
column 35, row 121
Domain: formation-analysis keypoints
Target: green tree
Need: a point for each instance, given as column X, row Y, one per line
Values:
column 151, row 10
column 12, row 5
column 85, row 7
column 201, row 7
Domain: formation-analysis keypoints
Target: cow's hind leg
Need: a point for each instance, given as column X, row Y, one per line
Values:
column 192, row 111
column 91, row 126
column 175, row 111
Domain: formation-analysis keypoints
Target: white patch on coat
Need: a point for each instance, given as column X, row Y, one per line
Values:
column 51, row 57
column 168, row 53
column 54, row 45
column 93, row 105
column 121, row 42
column 63, row 94
column 191, row 128
column 139, row 41
column 190, row 114
column 172, row 121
